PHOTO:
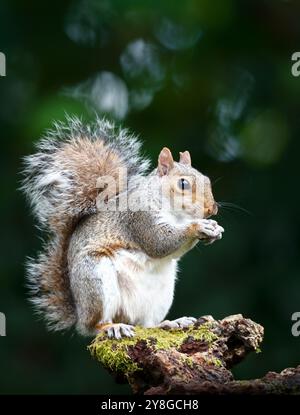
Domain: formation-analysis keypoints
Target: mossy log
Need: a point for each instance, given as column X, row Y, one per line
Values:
column 195, row 360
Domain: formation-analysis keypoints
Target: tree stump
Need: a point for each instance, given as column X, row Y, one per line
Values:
column 194, row 360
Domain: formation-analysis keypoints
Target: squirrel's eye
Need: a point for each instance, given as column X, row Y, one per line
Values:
column 183, row 184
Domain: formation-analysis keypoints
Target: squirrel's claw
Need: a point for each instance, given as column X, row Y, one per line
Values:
column 119, row 330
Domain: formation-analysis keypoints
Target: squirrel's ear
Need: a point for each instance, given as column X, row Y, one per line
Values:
column 165, row 161
column 185, row 158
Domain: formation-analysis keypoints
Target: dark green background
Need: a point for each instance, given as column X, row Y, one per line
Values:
column 213, row 77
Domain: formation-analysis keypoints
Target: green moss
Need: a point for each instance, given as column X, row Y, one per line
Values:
column 165, row 339
column 187, row 360
column 214, row 361
column 204, row 334
column 113, row 354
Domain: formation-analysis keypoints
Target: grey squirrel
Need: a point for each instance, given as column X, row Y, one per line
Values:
column 104, row 268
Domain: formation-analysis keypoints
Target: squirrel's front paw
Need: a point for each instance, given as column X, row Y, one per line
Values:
column 210, row 231
column 118, row 330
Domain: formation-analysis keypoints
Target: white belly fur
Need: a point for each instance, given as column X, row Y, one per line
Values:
column 143, row 287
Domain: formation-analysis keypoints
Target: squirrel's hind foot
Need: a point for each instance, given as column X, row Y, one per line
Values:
column 116, row 330
column 181, row 323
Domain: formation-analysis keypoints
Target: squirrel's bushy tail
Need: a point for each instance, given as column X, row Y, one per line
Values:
column 60, row 183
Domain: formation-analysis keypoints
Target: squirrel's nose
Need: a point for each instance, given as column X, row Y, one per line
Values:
column 212, row 210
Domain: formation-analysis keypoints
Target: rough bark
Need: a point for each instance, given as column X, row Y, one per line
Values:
column 196, row 360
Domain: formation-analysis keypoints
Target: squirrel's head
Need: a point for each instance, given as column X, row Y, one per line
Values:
column 188, row 191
